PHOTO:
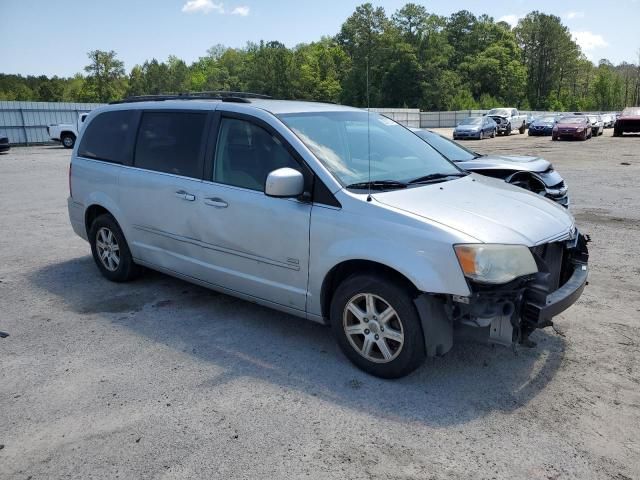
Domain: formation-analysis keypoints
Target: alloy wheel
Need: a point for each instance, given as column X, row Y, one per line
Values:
column 373, row 328
column 108, row 249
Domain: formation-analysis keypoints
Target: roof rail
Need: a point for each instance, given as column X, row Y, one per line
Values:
column 223, row 95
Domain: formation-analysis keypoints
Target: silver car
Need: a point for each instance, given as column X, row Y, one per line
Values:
column 325, row 212
column 475, row 127
column 531, row 173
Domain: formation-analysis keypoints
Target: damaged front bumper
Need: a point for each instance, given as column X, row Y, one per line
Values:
column 511, row 312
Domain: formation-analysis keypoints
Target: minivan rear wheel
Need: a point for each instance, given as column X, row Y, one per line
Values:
column 110, row 250
column 377, row 326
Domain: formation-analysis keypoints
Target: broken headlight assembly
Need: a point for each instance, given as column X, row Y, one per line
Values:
column 493, row 263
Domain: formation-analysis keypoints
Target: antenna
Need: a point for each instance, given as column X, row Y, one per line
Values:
column 368, row 132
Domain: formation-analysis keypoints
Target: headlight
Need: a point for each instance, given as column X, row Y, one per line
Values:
column 492, row 263
column 579, row 130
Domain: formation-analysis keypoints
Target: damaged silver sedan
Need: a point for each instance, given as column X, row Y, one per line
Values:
column 531, row 173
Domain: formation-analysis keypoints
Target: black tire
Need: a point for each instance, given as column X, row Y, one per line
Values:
column 617, row 132
column 126, row 269
column 508, row 132
column 554, row 138
column 522, row 129
column 481, row 136
column 493, row 134
column 412, row 352
column 68, row 140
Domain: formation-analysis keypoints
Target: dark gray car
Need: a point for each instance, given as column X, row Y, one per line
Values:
column 532, row 173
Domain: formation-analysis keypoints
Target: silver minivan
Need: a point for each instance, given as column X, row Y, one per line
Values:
column 326, row 212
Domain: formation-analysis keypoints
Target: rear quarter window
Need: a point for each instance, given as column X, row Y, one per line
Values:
column 110, row 137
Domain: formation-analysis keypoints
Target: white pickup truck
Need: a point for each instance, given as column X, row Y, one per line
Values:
column 508, row 119
column 66, row 133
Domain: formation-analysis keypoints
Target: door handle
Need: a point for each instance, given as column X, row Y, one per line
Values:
column 216, row 202
column 185, row 196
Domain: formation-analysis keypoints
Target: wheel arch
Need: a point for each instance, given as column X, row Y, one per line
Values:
column 68, row 132
column 346, row 268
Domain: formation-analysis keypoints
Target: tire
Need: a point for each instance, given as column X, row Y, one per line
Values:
column 103, row 233
column 360, row 291
column 493, row 134
column 617, row 133
column 522, row 129
column 554, row 138
column 68, row 140
column 508, row 132
column 481, row 136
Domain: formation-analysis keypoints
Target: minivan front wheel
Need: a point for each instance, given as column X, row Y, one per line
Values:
column 377, row 326
column 110, row 250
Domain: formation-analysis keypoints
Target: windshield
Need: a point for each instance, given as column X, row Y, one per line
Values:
column 349, row 146
column 592, row 118
column 631, row 111
column 545, row 120
column 446, row 147
column 471, row 121
column 573, row 120
column 503, row 112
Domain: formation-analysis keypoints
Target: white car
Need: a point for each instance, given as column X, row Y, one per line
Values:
column 507, row 120
column 597, row 125
column 66, row 133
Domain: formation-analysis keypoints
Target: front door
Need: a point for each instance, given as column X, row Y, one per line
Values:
column 251, row 243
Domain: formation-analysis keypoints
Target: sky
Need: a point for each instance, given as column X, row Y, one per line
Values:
column 53, row 38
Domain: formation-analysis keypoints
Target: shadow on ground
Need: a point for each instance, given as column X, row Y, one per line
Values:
column 245, row 340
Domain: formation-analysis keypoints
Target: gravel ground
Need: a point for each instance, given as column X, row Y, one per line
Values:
column 163, row 379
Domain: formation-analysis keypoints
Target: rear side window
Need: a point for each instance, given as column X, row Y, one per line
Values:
column 109, row 137
column 171, row 142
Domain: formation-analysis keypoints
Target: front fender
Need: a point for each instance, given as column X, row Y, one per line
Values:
column 420, row 252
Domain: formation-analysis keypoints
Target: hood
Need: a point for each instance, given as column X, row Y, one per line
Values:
column 542, row 124
column 487, row 209
column 507, row 162
column 572, row 126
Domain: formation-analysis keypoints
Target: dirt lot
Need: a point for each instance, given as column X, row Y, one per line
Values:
column 162, row 379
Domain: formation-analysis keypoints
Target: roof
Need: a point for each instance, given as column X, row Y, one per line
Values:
column 273, row 106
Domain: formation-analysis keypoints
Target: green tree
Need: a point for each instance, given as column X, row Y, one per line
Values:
column 105, row 74
column 550, row 55
column 361, row 38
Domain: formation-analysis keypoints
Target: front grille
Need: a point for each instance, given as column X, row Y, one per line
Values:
column 551, row 256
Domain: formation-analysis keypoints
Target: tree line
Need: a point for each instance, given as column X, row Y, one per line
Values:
column 412, row 58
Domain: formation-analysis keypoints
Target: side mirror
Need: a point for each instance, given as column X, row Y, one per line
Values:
column 284, row 183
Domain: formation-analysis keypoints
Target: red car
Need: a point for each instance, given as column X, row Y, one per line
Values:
column 627, row 122
column 575, row 126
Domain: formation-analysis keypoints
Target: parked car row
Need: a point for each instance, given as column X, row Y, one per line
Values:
column 498, row 121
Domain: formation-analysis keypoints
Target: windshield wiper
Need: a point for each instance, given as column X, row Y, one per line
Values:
column 378, row 185
column 437, row 176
